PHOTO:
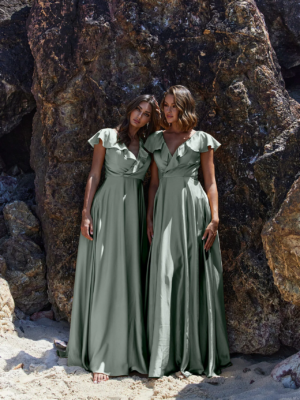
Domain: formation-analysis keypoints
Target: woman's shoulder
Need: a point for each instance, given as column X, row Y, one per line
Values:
column 208, row 140
column 154, row 141
column 200, row 141
column 107, row 135
column 109, row 132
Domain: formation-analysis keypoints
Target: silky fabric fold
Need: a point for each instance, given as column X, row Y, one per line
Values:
column 107, row 333
column 186, row 326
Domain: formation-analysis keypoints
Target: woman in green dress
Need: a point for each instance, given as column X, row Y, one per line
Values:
column 186, row 327
column 107, row 334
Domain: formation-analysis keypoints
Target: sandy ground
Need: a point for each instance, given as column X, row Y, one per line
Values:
column 45, row 376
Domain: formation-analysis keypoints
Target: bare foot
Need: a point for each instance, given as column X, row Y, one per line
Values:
column 180, row 375
column 97, row 377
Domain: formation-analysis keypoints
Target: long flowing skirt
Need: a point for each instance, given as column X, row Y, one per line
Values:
column 186, row 324
column 107, row 321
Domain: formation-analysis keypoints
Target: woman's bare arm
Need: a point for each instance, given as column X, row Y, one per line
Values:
column 90, row 189
column 154, row 183
column 210, row 186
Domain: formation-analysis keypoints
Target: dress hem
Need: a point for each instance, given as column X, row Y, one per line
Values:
column 189, row 373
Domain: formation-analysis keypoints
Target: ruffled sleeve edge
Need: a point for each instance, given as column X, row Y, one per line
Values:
column 106, row 137
column 208, row 140
column 154, row 142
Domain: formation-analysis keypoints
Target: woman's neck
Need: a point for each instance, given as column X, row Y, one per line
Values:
column 132, row 132
column 175, row 127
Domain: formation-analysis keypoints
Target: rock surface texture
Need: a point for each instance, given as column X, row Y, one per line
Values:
column 8, row 186
column 25, row 273
column 3, row 266
column 281, row 238
column 16, row 67
column 288, row 372
column 282, row 19
column 7, row 306
column 91, row 57
column 22, row 261
column 20, row 220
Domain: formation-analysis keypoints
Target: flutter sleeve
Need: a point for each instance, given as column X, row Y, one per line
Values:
column 208, row 140
column 106, row 135
column 154, row 142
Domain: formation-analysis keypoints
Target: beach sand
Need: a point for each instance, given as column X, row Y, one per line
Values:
column 46, row 376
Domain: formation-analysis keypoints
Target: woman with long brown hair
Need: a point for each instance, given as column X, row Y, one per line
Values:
column 107, row 335
column 185, row 306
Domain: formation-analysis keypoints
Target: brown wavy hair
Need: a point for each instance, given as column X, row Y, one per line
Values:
column 185, row 103
column 146, row 130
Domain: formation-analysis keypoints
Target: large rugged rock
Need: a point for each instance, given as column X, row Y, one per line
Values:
column 25, row 273
column 288, row 372
column 16, row 67
column 20, row 220
column 93, row 56
column 282, row 19
column 281, row 238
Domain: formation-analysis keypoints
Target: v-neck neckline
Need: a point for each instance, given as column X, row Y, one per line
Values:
column 162, row 133
column 135, row 157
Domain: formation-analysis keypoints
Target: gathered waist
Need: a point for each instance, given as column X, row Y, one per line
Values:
column 195, row 178
column 123, row 176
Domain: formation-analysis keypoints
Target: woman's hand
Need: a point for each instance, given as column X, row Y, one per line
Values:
column 157, row 108
column 150, row 230
column 210, row 234
column 91, row 188
column 87, row 226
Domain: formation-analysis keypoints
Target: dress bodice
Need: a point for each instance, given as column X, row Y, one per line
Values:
column 119, row 160
column 185, row 162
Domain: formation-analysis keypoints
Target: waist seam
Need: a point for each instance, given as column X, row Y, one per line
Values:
column 180, row 176
column 122, row 176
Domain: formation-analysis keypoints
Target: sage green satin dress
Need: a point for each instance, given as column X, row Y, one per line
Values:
column 107, row 332
column 186, row 324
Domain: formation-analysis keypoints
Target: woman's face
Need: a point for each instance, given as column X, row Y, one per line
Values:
column 170, row 110
column 141, row 115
